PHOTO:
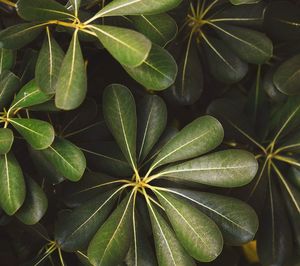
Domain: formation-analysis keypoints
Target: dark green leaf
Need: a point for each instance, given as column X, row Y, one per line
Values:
column 6, row 140
column 241, row 2
column 7, row 59
column 9, row 85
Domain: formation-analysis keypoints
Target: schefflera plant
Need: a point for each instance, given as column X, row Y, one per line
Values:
column 160, row 198
column 64, row 75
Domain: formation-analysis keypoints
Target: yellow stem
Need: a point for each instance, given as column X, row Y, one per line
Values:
column 9, row 3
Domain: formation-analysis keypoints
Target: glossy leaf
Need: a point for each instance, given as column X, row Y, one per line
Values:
column 7, row 59
column 29, row 95
column 112, row 241
column 48, row 64
column 66, row 158
column 286, row 77
column 9, row 85
column 71, row 86
column 6, row 140
column 241, row 2
column 237, row 220
column 37, row 133
column 197, row 233
column 35, row 204
column 39, row 10
column 158, row 71
column 200, row 136
column 169, row 251
column 250, row 45
column 128, row 47
column 119, row 111
column 160, row 29
column 152, row 120
column 75, row 5
column 17, row 36
column 76, row 228
column 12, row 184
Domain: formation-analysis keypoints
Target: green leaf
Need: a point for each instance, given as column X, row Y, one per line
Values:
column 17, row 36
column 251, row 46
column 152, row 121
column 42, row 10
column 197, row 233
column 229, row 168
column 110, row 244
column 12, row 184
column 128, row 47
column 7, row 59
column 48, row 64
column 75, row 229
column 6, row 140
column 169, row 251
column 242, row 2
column 66, row 158
column 157, row 72
column 286, row 77
column 236, row 219
column 71, row 84
column 39, row 134
column 200, row 136
column 35, row 204
column 136, row 7
column 29, row 95
column 119, row 111
column 224, row 65
column 160, row 29
column 9, row 85
column 75, row 5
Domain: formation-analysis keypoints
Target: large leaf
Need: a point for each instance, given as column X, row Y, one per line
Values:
column 9, row 85
column 286, row 77
column 128, row 47
column 160, row 29
column 197, row 233
column 48, row 64
column 152, row 118
column 35, row 204
column 136, row 7
column 75, row 229
column 29, row 95
column 169, row 251
column 71, row 84
column 119, row 111
column 17, row 36
column 250, row 45
column 66, row 158
column 12, row 184
column 112, row 241
column 6, row 140
column 7, row 59
column 200, row 136
column 237, row 220
column 157, row 72
column 37, row 10
column 37, row 133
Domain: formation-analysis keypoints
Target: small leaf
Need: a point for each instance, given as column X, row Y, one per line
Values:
column 128, row 47
column 71, row 84
column 75, row 229
column 9, row 85
column 251, row 46
column 197, row 233
column 152, row 118
column 37, row 133
column 66, row 158
column 242, row 2
column 119, row 111
column 286, row 77
column 35, row 204
column 29, row 95
column 160, row 29
column 7, row 59
column 6, row 140
column 169, row 251
column 200, row 136
column 41, row 10
column 110, row 244
column 17, row 36
column 157, row 72
column 48, row 64
column 12, row 184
